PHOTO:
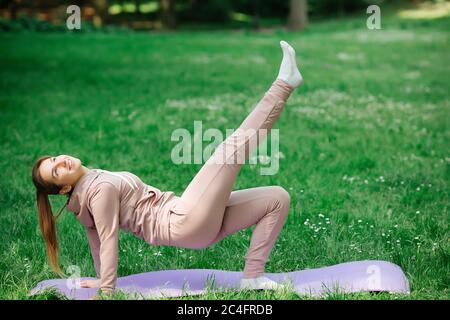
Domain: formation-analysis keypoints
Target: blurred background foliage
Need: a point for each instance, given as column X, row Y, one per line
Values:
column 51, row 15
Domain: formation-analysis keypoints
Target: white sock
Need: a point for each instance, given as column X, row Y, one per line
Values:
column 289, row 72
column 260, row 282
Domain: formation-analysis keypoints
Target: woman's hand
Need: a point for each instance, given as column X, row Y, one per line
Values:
column 90, row 283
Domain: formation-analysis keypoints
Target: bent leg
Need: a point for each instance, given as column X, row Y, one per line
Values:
column 205, row 198
column 267, row 207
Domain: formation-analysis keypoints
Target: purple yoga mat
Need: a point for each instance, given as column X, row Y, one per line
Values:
column 357, row 276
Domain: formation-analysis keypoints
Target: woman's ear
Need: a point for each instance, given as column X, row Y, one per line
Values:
column 65, row 189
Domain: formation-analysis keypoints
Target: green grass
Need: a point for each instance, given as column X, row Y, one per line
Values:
column 374, row 104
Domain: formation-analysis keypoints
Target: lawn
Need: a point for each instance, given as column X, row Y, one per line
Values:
column 364, row 149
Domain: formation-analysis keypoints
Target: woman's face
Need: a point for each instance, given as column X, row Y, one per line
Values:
column 62, row 170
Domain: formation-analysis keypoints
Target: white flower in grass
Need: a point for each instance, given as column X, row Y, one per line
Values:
column 417, row 212
column 418, row 188
column 214, row 106
column 132, row 115
column 157, row 253
column 321, row 215
column 359, row 221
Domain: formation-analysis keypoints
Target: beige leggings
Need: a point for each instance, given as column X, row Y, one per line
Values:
column 208, row 210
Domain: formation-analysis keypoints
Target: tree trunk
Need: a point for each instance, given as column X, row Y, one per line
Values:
column 256, row 16
column 298, row 15
column 167, row 14
column 31, row 5
column 13, row 8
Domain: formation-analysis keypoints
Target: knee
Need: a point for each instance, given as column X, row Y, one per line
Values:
column 283, row 197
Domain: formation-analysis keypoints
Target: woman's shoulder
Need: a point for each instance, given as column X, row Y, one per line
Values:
column 105, row 178
column 103, row 191
column 119, row 179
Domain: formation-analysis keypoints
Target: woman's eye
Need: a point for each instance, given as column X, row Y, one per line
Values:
column 56, row 170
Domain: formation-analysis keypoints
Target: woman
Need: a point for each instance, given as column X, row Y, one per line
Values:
column 207, row 211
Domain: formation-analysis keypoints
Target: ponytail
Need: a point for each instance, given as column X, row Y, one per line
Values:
column 48, row 229
column 47, row 221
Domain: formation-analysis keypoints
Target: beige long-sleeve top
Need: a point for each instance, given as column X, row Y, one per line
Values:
column 105, row 202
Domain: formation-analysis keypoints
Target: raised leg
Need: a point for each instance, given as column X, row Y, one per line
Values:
column 204, row 200
column 201, row 207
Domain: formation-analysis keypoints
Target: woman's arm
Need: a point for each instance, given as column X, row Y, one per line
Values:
column 94, row 244
column 105, row 205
